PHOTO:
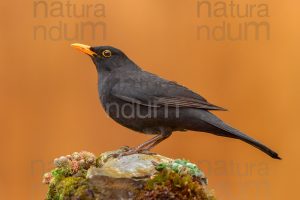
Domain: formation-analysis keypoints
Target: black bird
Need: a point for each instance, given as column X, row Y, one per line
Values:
column 146, row 103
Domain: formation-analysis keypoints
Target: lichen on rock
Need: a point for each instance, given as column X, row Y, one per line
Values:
column 137, row 176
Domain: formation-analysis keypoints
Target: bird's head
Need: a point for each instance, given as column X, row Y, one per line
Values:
column 105, row 58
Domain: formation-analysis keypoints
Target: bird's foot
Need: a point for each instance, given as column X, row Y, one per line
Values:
column 134, row 150
column 119, row 152
column 146, row 152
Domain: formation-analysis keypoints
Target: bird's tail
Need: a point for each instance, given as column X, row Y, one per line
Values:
column 222, row 129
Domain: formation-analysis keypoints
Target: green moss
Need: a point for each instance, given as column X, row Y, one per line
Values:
column 73, row 187
column 60, row 173
column 70, row 188
column 64, row 186
column 179, row 179
column 181, row 167
column 52, row 193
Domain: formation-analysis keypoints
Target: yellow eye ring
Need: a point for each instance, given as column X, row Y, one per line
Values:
column 106, row 53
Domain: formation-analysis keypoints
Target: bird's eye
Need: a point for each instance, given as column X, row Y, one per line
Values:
column 106, row 53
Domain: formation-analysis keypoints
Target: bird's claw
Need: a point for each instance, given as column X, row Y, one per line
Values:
column 132, row 151
column 147, row 152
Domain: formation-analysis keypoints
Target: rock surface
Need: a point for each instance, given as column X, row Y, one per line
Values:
column 138, row 176
column 131, row 166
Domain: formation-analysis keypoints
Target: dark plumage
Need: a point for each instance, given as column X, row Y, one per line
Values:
column 149, row 104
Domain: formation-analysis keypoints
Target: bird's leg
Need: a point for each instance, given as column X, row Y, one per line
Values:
column 149, row 144
column 164, row 134
column 141, row 147
column 162, row 138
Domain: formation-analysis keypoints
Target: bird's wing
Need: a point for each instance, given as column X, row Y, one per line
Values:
column 150, row 90
column 187, row 102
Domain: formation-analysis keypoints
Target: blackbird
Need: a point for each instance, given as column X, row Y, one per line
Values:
column 146, row 103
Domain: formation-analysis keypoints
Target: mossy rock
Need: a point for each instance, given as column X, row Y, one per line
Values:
column 138, row 176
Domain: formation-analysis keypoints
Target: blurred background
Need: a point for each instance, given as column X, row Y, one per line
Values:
column 242, row 55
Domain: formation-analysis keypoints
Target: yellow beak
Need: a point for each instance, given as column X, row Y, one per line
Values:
column 83, row 48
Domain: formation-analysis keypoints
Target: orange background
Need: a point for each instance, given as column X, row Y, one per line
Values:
column 49, row 102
